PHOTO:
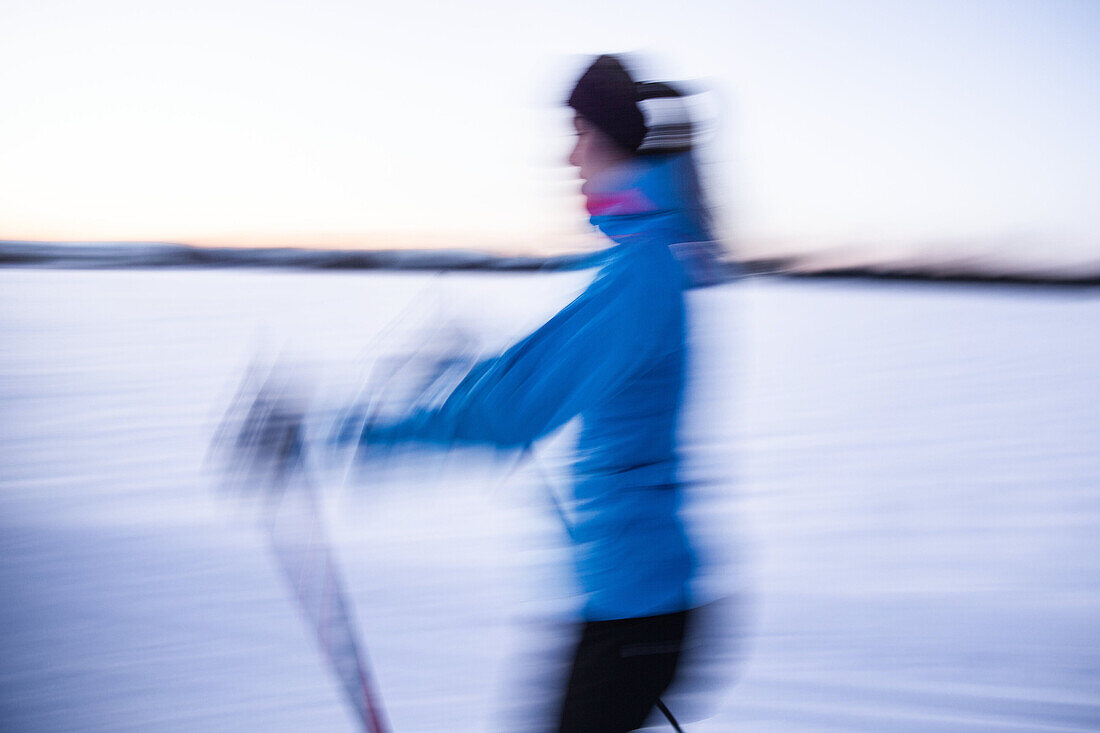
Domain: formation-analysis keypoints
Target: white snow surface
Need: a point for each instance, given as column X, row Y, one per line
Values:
column 898, row 486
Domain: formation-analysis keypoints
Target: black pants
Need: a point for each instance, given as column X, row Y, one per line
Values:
column 619, row 671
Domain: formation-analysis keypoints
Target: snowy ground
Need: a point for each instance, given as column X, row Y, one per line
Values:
column 904, row 482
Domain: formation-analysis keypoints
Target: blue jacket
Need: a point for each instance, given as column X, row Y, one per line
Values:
column 615, row 356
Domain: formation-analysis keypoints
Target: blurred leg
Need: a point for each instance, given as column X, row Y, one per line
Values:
column 619, row 671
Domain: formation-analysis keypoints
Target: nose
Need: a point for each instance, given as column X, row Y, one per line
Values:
column 575, row 153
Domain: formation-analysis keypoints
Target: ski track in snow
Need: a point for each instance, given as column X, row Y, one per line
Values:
column 900, row 486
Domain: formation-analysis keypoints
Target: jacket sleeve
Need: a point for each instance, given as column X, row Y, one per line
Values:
column 584, row 353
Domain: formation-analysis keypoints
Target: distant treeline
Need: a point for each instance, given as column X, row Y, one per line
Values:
column 924, row 272
column 89, row 255
column 124, row 255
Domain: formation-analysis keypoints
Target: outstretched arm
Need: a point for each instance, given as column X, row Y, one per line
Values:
column 581, row 355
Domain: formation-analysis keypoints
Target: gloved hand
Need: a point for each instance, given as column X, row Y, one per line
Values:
column 261, row 438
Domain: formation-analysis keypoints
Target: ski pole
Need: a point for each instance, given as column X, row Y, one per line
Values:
column 304, row 555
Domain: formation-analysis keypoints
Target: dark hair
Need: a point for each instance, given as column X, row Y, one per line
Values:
column 641, row 117
column 607, row 96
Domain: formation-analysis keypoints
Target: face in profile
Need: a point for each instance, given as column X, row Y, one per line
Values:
column 594, row 153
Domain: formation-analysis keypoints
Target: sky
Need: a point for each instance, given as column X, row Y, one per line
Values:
column 916, row 126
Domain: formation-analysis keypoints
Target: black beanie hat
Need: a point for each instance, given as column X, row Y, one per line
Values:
column 607, row 96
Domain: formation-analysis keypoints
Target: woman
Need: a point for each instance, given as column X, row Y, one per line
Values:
column 615, row 357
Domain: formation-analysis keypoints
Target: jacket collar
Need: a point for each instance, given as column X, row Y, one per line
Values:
column 646, row 193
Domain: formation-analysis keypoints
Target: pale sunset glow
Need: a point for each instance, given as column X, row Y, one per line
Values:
column 875, row 124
